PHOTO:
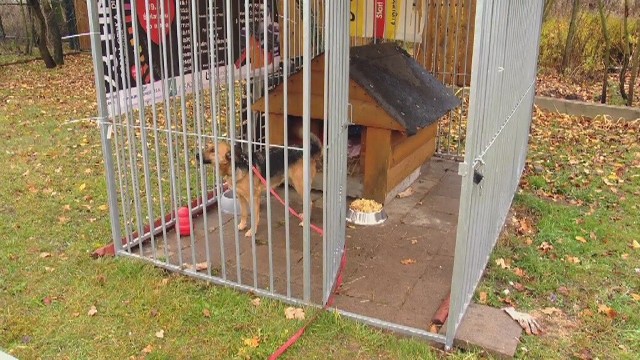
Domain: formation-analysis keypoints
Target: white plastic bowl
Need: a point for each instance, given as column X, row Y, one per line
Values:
column 226, row 203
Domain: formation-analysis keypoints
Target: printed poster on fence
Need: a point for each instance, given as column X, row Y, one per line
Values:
column 387, row 19
column 172, row 36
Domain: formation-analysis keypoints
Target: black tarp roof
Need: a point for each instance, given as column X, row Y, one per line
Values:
column 400, row 85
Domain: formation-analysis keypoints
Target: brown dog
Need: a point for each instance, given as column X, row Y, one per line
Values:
column 242, row 185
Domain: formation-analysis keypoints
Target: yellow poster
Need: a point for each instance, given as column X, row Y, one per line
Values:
column 387, row 19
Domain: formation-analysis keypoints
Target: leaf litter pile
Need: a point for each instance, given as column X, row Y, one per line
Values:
column 567, row 256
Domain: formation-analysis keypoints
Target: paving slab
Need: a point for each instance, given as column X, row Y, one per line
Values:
column 489, row 329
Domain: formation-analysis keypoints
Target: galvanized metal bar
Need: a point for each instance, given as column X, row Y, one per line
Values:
column 306, row 128
column 144, row 141
column 285, row 87
column 214, row 101
column 231, row 111
column 103, row 113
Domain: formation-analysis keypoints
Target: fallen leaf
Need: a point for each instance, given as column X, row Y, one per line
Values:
column 593, row 236
column 66, row 207
column 624, row 256
column 502, row 263
column 294, row 313
column 252, row 342
column 45, row 255
column 573, row 259
column 49, row 269
column 153, row 312
column 545, row 247
column 586, row 313
column 47, row 301
column 63, row 219
column 164, row 281
column 92, row 311
column 160, row 334
column 563, row 290
column 75, row 314
column 255, row 301
column 635, row 245
column 414, row 241
column 103, row 207
column 581, row 239
column 604, row 309
column 551, row 311
column 148, row 349
column 526, row 321
column 82, row 186
column 206, row 313
column 519, row 272
column 483, row 297
column 407, row 261
column 406, row 193
column 635, row 297
column 518, row 287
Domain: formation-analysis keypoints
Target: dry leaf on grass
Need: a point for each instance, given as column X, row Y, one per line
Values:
column 519, row 272
column 635, row 297
column 160, row 334
column 92, row 311
column 252, row 342
column 573, row 259
column 82, row 186
column 49, row 269
column 206, row 313
column 635, row 245
column 47, row 301
column 103, row 207
column 551, row 311
column 45, row 255
column 581, row 239
column 483, row 297
column 294, row 313
column 414, row 241
column 255, row 301
column 407, row 261
column 604, row 309
column 148, row 349
column 526, row 321
column 502, row 263
column 545, row 247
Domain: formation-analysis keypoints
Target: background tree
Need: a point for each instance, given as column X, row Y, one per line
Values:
column 635, row 65
column 28, row 46
column 626, row 51
column 40, row 27
column 607, row 51
column 573, row 23
column 54, row 38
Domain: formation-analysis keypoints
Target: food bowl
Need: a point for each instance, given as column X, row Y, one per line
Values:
column 366, row 212
column 226, row 203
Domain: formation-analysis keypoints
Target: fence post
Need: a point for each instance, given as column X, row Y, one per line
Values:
column 103, row 115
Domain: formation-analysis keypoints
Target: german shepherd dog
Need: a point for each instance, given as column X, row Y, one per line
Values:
column 242, row 185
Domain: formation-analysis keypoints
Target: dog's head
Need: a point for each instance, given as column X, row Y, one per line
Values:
column 209, row 154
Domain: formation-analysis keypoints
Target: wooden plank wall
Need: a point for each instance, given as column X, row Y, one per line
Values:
column 82, row 22
column 447, row 44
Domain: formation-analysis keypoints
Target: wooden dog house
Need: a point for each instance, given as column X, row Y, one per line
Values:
column 395, row 102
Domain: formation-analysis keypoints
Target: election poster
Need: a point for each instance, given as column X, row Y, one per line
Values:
column 178, row 42
column 387, row 19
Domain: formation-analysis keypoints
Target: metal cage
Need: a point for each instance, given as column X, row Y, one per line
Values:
column 178, row 84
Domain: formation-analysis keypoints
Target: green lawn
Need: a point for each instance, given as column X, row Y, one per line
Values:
column 52, row 216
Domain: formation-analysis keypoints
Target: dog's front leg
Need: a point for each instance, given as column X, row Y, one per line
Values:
column 244, row 212
column 256, row 204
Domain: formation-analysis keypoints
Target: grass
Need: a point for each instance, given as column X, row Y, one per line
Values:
column 52, row 192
